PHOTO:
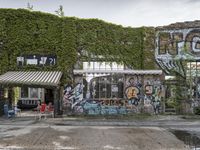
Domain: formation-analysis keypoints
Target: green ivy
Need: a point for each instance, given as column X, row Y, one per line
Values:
column 71, row 39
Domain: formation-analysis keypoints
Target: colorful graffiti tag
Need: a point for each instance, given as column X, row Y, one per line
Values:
column 153, row 93
column 72, row 96
column 133, row 89
column 173, row 46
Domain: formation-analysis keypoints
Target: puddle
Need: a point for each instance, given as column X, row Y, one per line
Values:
column 10, row 129
column 62, row 124
column 189, row 139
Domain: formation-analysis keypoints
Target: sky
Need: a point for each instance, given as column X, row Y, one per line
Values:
column 133, row 13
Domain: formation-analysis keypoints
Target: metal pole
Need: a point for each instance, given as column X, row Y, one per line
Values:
column 99, row 86
column 111, row 83
column 196, row 84
column 190, row 80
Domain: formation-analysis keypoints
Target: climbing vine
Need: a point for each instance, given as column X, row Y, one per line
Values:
column 71, row 39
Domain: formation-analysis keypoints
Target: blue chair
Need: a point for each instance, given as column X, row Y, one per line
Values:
column 8, row 112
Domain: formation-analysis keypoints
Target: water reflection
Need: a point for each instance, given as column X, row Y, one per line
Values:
column 189, row 139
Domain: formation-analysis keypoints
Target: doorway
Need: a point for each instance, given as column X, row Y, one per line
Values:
column 49, row 97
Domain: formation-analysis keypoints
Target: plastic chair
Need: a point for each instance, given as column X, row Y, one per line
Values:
column 43, row 108
column 42, row 111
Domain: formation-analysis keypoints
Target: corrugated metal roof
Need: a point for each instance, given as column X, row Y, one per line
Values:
column 137, row 72
column 31, row 78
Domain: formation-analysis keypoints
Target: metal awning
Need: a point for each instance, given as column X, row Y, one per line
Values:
column 136, row 72
column 31, row 78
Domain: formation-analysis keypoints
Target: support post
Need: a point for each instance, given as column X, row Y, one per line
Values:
column 196, row 82
column 56, row 102
column 10, row 95
column 190, row 82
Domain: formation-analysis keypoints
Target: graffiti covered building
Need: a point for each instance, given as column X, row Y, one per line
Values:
column 108, row 91
column 176, row 43
column 178, row 51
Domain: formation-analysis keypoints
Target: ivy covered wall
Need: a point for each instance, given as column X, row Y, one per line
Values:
column 114, row 43
column 71, row 39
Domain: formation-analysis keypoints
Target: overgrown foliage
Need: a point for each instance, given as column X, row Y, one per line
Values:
column 179, row 93
column 70, row 39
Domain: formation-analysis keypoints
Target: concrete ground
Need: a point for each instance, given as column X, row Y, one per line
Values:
column 96, row 134
column 88, row 138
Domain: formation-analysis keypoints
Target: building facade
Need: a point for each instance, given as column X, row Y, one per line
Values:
column 178, row 52
column 102, row 88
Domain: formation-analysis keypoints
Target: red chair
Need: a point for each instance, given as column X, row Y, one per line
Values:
column 42, row 111
column 43, row 108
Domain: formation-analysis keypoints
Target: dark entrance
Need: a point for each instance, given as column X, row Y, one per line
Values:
column 49, row 96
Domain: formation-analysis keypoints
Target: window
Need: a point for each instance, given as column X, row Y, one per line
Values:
column 24, row 92
column 107, row 87
column 33, row 92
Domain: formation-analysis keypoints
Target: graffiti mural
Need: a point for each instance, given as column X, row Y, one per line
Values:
column 133, row 89
column 153, row 94
column 73, row 96
column 98, row 100
column 173, row 46
column 68, row 96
